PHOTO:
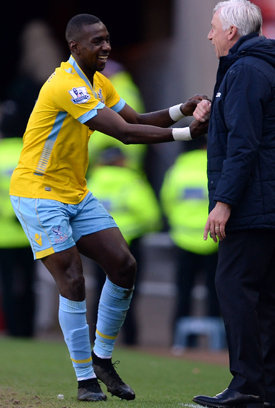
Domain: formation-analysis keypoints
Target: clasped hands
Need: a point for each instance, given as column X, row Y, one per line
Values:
column 202, row 111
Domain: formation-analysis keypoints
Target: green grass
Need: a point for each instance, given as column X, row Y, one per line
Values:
column 33, row 373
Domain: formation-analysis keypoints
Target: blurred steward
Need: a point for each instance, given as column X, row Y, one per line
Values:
column 130, row 199
column 128, row 90
column 17, row 266
column 184, row 200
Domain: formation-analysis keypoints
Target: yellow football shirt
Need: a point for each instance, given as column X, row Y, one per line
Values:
column 54, row 159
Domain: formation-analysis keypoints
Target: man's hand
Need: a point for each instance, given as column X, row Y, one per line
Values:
column 198, row 128
column 202, row 111
column 216, row 221
column 190, row 105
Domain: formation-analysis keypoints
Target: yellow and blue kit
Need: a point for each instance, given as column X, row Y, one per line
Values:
column 54, row 159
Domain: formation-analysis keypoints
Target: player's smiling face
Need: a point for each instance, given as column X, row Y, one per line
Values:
column 94, row 48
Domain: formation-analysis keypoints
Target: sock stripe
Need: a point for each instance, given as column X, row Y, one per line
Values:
column 87, row 360
column 106, row 336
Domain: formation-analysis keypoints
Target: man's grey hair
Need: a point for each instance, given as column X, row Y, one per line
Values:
column 243, row 14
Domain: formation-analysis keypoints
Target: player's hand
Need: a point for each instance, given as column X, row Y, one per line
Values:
column 198, row 128
column 190, row 105
column 202, row 111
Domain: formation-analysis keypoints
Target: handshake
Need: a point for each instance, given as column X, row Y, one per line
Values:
column 200, row 107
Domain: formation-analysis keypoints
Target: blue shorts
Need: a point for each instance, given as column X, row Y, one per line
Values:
column 52, row 226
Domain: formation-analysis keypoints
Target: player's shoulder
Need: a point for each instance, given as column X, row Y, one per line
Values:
column 101, row 79
column 66, row 74
column 64, row 78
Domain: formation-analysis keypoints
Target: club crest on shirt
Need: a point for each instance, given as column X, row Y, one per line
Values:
column 100, row 96
column 79, row 95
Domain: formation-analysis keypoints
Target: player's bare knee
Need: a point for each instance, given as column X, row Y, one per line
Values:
column 74, row 287
column 77, row 281
column 127, row 272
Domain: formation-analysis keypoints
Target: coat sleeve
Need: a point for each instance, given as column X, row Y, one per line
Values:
column 247, row 92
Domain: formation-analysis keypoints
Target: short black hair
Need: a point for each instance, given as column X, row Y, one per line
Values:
column 75, row 25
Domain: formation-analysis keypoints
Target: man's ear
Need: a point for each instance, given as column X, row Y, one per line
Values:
column 73, row 45
column 233, row 33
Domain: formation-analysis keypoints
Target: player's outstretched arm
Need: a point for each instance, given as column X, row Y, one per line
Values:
column 165, row 117
column 109, row 122
column 198, row 128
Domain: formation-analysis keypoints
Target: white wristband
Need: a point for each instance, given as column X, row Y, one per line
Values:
column 175, row 112
column 181, row 133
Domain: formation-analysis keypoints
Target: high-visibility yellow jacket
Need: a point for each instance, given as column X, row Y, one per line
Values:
column 129, row 198
column 12, row 234
column 184, row 199
column 135, row 153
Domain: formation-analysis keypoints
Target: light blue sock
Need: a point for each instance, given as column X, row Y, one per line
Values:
column 113, row 305
column 72, row 319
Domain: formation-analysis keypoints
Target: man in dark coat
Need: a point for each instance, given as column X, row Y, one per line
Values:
column 241, row 180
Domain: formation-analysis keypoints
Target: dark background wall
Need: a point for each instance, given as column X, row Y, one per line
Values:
column 130, row 24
